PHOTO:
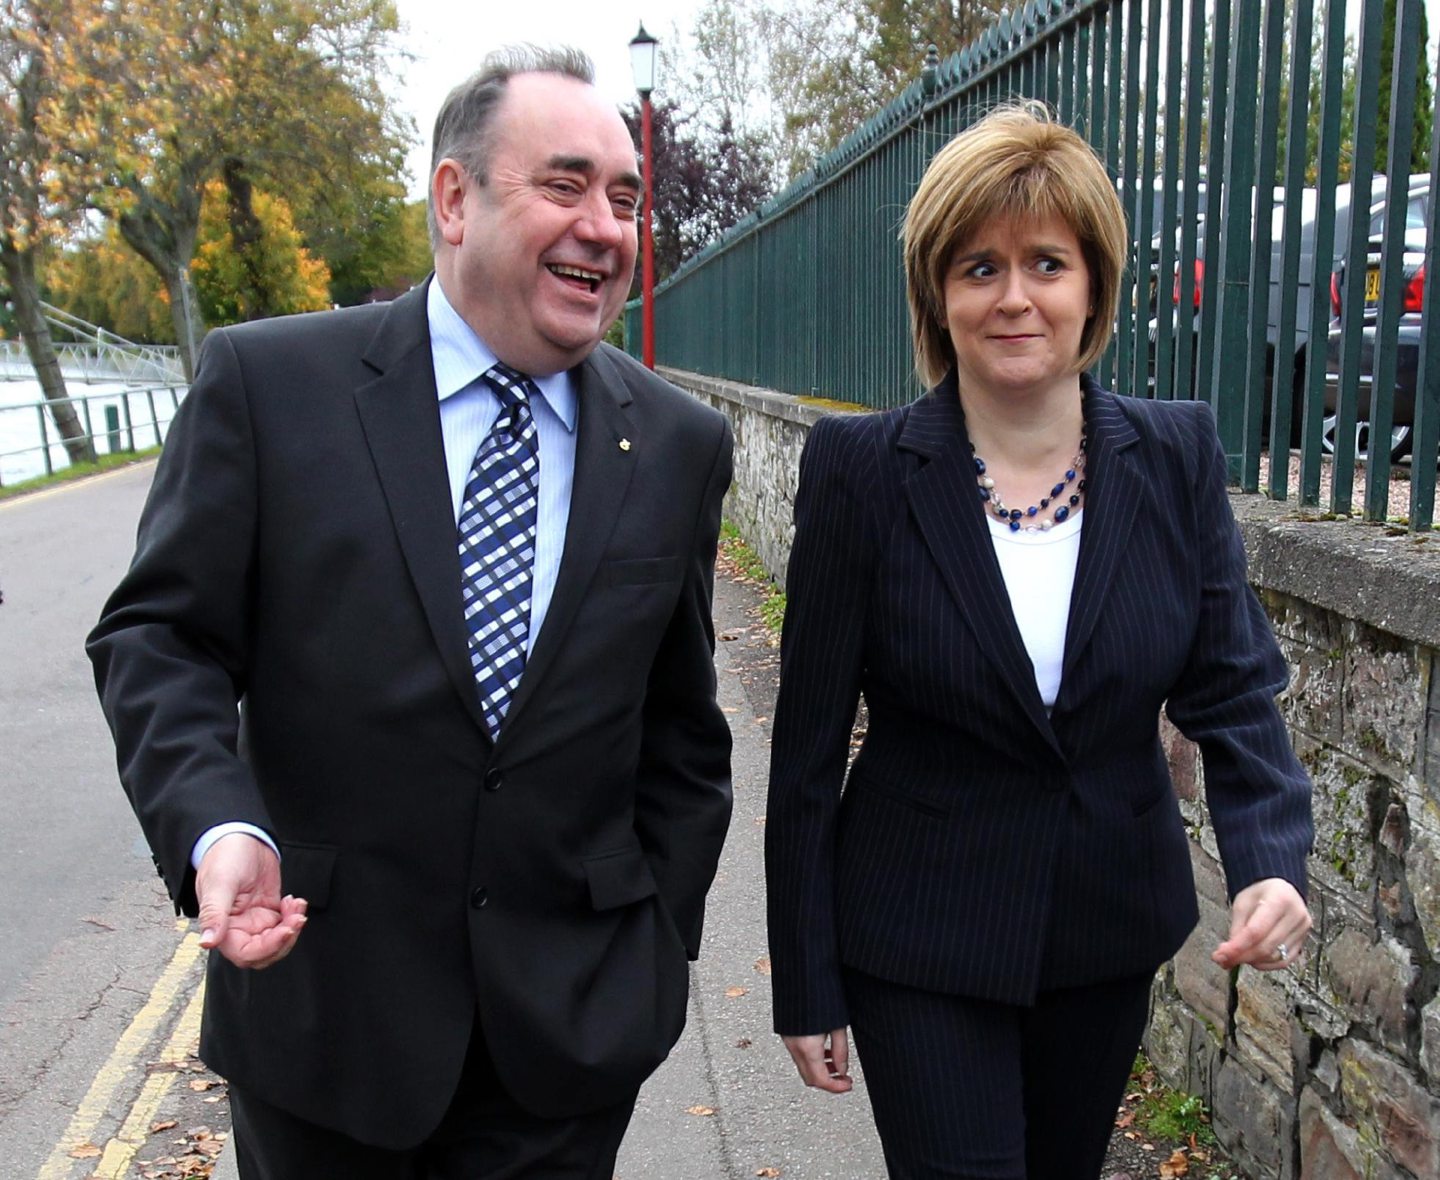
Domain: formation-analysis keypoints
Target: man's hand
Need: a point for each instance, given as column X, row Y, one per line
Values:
column 1268, row 925
column 242, row 914
column 823, row 1060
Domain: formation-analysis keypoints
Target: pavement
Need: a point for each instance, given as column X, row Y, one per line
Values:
column 728, row 1104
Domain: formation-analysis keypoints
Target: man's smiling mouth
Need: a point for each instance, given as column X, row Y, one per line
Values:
column 578, row 274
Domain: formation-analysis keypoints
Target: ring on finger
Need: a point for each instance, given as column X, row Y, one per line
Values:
column 1281, row 952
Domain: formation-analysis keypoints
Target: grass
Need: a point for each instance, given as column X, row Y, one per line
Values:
column 747, row 566
column 1175, row 1126
column 77, row 471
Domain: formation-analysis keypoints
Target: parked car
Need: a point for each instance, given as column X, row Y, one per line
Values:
column 1407, row 343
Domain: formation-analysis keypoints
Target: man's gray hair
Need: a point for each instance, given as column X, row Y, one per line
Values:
column 462, row 127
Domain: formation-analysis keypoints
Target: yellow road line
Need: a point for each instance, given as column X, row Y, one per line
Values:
column 136, row 1129
column 71, row 485
column 123, row 1058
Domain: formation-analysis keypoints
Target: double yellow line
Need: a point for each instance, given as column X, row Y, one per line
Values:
column 124, row 1060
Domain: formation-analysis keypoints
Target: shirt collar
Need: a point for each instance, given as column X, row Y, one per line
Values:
column 461, row 358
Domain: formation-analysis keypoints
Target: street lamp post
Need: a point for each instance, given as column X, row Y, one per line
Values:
column 642, row 65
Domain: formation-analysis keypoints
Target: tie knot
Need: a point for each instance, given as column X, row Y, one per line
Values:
column 510, row 385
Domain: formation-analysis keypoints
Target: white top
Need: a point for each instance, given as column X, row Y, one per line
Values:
column 1039, row 573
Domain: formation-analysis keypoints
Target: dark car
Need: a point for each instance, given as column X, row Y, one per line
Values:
column 1407, row 343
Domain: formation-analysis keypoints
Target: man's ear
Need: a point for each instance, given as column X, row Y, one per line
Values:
column 447, row 191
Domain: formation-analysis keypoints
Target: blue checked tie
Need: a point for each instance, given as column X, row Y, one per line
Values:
column 497, row 544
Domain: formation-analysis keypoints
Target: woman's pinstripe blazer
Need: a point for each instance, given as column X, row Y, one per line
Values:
column 981, row 847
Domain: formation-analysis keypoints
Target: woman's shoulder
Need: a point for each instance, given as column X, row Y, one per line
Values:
column 1159, row 421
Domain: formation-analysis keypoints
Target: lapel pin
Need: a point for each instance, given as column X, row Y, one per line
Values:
column 624, row 444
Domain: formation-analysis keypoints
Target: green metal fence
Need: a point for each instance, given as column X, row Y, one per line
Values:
column 1230, row 294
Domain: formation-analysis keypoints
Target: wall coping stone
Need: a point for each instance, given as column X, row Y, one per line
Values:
column 1358, row 569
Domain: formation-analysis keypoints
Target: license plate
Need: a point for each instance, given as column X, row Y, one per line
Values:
column 1372, row 285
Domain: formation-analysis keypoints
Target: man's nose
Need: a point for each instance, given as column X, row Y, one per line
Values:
column 599, row 224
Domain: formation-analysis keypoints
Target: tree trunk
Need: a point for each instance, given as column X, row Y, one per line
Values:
column 247, row 237
column 165, row 237
column 19, row 268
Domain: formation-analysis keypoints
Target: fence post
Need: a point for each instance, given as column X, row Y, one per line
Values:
column 129, row 422
column 112, row 429
column 44, row 440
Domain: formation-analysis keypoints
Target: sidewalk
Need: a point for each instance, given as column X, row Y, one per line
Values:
column 728, row 1104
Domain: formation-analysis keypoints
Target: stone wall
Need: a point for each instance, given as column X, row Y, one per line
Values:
column 1331, row 1070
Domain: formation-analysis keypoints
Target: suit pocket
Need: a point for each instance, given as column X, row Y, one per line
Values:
column 864, row 784
column 619, row 878
column 639, row 571
column 306, row 870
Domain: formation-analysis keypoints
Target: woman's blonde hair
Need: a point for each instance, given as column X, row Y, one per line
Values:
column 1017, row 161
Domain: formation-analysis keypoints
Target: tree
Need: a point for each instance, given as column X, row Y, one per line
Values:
column 1424, row 96
column 99, row 278
column 256, row 90
column 32, row 208
column 703, row 185
column 263, row 270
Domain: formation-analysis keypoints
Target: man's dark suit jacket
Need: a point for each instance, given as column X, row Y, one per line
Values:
column 298, row 555
column 981, row 847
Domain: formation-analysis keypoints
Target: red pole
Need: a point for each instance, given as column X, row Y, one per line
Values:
column 647, row 264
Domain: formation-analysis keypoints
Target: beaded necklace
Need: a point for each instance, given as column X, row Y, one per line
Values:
column 1030, row 519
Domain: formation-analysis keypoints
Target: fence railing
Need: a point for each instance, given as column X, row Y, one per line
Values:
column 94, row 361
column 118, row 420
column 1230, row 295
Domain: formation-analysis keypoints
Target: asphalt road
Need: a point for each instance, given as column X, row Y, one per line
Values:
column 85, row 928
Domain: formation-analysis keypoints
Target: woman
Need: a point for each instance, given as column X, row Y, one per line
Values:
column 1018, row 571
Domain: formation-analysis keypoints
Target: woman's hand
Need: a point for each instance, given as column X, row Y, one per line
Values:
column 823, row 1060
column 1268, row 925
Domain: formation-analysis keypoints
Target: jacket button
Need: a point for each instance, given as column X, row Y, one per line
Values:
column 493, row 779
column 479, row 898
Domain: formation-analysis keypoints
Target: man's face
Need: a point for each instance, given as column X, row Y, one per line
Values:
column 538, row 259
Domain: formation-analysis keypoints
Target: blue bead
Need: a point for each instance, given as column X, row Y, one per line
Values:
column 984, row 493
column 1045, row 503
column 1032, row 510
column 979, row 465
column 1061, row 513
column 1074, row 500
column 1015, row 514
column 1014, row 526
column 1056, row 490
column 1069, row 474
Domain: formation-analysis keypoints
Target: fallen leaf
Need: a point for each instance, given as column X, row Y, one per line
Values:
column 84, row 1151
column 762, row 964
column 1125, row 1119
column 701, row 1111
column 743, row 1043
column 771, row 1172
column 1177, row 1165
column 734, row 993
column 200, row 1085
column 165, row 1126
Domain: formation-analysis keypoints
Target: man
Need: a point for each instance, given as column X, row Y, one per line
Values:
column 453, row 852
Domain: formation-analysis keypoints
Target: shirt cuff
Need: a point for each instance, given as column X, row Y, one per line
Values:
column 202, row 845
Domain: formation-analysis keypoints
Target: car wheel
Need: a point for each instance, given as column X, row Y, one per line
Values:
column 1399, row 439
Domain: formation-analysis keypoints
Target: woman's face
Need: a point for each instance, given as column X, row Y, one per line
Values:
column 1017, row 298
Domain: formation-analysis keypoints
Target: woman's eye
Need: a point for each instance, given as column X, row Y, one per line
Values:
column 1049, row 266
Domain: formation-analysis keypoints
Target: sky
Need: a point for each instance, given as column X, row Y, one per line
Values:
column 448, row 38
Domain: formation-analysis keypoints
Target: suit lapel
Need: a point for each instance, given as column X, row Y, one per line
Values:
column 942, row 494
column 603, row 469
column 400, row 414
column 1114, row 487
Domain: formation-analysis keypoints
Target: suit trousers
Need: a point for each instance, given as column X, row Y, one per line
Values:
column 484, row 1135
column 969, row 1089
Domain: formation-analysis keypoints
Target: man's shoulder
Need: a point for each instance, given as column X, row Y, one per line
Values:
column 307, row 328
column 649, row 388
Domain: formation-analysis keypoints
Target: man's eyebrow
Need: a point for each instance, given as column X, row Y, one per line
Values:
column 587, row 166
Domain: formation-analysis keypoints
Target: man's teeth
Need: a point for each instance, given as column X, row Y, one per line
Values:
column 574, row 272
